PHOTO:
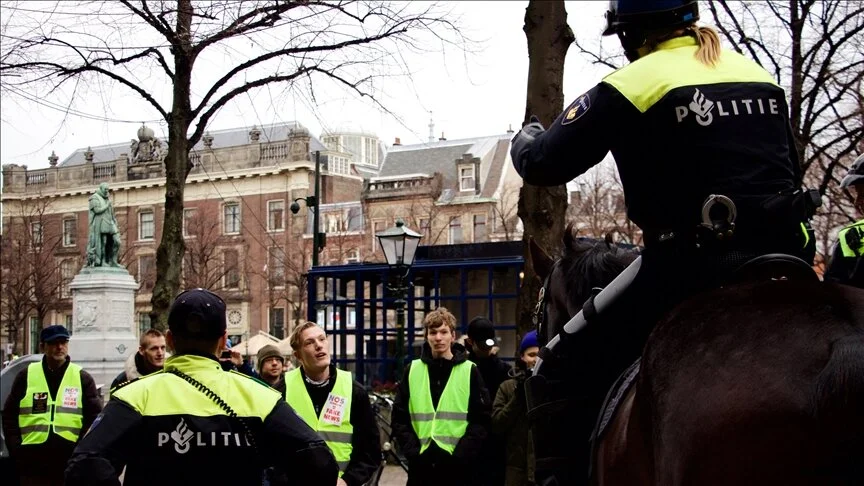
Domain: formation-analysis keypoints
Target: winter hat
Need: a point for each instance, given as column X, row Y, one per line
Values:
column 268, row 351
column 530, row 340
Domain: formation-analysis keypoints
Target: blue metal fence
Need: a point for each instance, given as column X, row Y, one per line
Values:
column 353, row 304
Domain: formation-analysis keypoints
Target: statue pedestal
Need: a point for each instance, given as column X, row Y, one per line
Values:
column 103, row 316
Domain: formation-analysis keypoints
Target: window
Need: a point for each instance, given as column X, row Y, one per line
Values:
column 334, row 223
column 377, row 227
column 480, row 228
column 466, row 178
column 36, row 234
column 68, row 320
column 277, row 322
column 70, row 227
column 189, row 222
column 455, row 230
column 352, row 256
column 337, row 165
column 231, row 222
column 231, row 267
column 371, row 156
column 143, row 322
column 147, row 271
column 35, row 332
column 424, row 226
column 145, row 225
column 276, row 266
column 275, row 215
column 67, row 272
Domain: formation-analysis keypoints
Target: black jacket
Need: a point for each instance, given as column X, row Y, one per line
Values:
column 490, row 463
column 199, row 448
column 365, row 440
column 435, row 466
column 49, row 458
column 677, row 139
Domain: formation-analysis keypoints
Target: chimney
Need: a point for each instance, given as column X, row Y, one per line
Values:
column 510, row 129
column 397, row 142
column 442, row 137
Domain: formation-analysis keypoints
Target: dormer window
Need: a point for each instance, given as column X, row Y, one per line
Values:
column 466, row 178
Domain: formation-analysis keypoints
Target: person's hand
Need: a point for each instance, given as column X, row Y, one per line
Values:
column 341, row 482
column 236, row 358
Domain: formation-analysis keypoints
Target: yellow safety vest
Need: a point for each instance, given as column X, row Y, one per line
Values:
column 41, row 413
column 334, row 429
column 448, row 423
column 847, row 250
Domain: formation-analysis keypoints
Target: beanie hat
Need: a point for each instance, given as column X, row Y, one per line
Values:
column 528, row 341
column 268, row 351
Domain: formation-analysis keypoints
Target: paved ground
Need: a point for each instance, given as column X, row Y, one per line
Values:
column 393, row 476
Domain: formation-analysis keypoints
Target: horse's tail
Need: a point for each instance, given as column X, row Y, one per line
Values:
column 838, row 400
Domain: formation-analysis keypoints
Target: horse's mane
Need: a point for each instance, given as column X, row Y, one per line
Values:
column 589, row 263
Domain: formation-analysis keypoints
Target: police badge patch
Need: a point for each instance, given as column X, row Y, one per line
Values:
column 577, row 109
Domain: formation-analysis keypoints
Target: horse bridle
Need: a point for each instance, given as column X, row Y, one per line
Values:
column 538, row 317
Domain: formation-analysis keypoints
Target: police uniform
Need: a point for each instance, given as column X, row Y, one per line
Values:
column 846, row 265
column 194, row 423
column 680, row 131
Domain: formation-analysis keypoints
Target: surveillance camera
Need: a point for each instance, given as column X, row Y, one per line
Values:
column 295, row 207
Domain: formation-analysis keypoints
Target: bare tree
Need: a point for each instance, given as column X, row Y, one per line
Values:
column 597, row 207
column 505, row 209
column 31, row 279
column 542, row 208
column 145, row 46
column 203, row 264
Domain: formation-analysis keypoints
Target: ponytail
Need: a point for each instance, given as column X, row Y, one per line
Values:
column 708, row 52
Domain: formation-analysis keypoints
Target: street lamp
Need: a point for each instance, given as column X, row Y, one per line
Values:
column 313, row 203
column 400, row 246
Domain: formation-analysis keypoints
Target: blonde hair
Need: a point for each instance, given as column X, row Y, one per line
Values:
column 709, row 49
column 438, row 317
column 294, row 340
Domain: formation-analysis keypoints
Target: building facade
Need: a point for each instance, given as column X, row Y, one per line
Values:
column 242, row 239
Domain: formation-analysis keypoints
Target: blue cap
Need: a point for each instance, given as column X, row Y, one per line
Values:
column 53, row 333
column 197, row 313
column 529, row 341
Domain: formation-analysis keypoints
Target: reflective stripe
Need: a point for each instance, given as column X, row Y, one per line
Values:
column 63, row 428
column 451, row 416
column 422, row 417
column 35, row 428
column 330, row 436
column 447, row 439
column 69, row 410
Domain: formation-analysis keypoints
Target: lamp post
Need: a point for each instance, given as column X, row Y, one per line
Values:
column 399, row 245
column 313, row 202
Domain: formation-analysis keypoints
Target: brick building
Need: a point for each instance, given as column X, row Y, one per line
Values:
column 241, row 238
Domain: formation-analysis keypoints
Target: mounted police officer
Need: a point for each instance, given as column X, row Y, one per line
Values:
column 846, row 259
column 703, row 145
column 184, row 424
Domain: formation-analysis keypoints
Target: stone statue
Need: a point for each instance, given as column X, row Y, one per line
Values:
column 147, row 148
column 103, row 242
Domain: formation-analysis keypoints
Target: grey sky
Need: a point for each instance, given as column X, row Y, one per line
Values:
column 469, row 96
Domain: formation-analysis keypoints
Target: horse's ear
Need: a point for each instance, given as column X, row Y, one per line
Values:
column 540, row 260
column 609, row 240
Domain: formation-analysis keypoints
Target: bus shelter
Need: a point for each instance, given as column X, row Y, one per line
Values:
column 355, row 304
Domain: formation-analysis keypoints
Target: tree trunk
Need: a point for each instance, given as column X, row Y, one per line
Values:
column 169, row 255
column 542, row 209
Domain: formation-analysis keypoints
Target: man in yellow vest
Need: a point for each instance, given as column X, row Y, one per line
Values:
column 194, row 423
column 441, row 411
column 847, row 259
column 333, row 404
column 50, row 406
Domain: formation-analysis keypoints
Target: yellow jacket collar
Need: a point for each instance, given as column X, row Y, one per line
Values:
column 191, row 362
column 683, row 41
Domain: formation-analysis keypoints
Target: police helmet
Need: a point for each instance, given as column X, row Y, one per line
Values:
column 648, row 15
column 856, row 173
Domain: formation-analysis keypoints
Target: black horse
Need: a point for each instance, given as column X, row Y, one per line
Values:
column 758, row 382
